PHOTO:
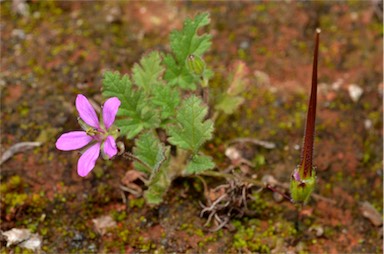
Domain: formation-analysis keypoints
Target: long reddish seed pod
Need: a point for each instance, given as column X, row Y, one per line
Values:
column 309, row 134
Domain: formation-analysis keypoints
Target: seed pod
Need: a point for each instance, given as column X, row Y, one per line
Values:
column 195, row 65
column 303, row 179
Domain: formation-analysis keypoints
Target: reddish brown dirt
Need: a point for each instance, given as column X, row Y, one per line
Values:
column 62, row 48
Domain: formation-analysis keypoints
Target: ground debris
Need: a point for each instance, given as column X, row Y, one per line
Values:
column 18, row 148
column 103, row 223
column 254, row 141
column 371, row 214
column 317, row 229
column 226, row 201
column 132, row 183
column 236, row 157
column 20, row 7
column 24, row 238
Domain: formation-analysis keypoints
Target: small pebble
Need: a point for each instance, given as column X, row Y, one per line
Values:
column 268, row 179
column 78, row 236
column 367, row 124
column 244, row 44
column 355, row 92
column 337, row 84
column 20, row 7
column 232, row 153
column 319, row 230
column 164, row 242
column 36, row 15
column 92, row 247
column 263, row 79
column 371, row 214
column 277, row 197
column 18, row 33
column 103, row 223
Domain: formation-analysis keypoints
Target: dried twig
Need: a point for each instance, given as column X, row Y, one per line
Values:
column 262, row 143
column 18, row 148
column 233, row 202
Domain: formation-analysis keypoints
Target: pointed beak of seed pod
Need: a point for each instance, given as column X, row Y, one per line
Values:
column 303, row 178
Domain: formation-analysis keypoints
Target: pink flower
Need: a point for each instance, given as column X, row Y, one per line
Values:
column 95, row 136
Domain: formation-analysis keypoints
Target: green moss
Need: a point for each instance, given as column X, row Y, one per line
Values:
column 259, row 204
column 124, row 235
column 259, row 160
column 136, row 202
column 119, row 215
column 252, row 236
column 13, row 194
column 262, row 50
column 207, row 239
column 245, row 238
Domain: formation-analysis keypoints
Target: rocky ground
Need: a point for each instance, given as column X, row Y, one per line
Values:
column 51, row 51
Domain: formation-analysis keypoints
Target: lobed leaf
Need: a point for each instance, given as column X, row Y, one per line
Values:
column 187, row 42
column 136, row 111
column 228, row 104
column 168, row 99
column 150, row 151
column 148, row 73
column 199, row 163
column 238, row 83
column 191, row 130
column 157, row 188
column 184, row 43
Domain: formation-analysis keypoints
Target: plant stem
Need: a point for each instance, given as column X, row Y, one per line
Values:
column 298, row 217
column 225, row 175
column 133, row 157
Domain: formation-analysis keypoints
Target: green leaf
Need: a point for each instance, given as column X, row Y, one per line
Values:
column 157, row 188
column 149, row 151
column 187, row 42
column 168, row 99
column 135, row 110
column 199, row 163
column 190, row 130
column 228, row 104
column 148, row 73
column 238, row 78
column 152, row 155
column 238, row 82
column 128, row 127
column 184, row 43
column 179, row 74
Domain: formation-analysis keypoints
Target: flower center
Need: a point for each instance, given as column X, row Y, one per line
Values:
column 96, row 134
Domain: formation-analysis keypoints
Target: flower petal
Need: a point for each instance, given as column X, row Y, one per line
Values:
column 73, row 140
column 86, row 111
column 296, row 175
column 87, row 161
column 110, row 148
column 109, row 111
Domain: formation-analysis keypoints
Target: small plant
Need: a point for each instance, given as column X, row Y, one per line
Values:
column 159, row 105
column 163, row 106
column 159, row 98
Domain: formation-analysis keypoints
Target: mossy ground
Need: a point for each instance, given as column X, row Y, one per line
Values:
column 61, row 49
